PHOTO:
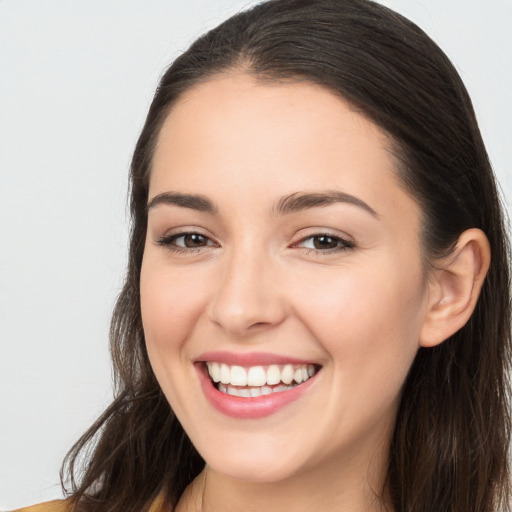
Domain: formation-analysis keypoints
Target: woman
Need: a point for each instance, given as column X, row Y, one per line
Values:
column 317, row 309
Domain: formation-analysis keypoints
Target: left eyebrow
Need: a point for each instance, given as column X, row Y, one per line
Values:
column 302, row 201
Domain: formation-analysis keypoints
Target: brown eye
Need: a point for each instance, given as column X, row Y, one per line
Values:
column 192, row 240
column 181, row 242
column 325, row 242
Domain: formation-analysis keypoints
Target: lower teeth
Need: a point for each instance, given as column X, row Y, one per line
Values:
column 247, row 392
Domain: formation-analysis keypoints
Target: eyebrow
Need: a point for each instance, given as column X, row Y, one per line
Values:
column 193, row 201
column 296, row 202
column 303, row 201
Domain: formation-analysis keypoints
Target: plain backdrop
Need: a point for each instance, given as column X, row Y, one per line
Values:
column 76, row 79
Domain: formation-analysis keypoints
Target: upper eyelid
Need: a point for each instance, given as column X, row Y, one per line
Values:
column 168, row 242
column 169, row 236
column 185, row 231
column 316, row 235
column 179, row 234
column 313, row 232
column 345, row 241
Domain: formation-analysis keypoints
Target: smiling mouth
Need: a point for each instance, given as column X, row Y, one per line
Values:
column 257, row 381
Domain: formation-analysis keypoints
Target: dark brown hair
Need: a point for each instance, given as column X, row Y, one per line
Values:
column 450, row 445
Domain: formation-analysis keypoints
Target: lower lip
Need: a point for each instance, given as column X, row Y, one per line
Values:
column 249, row 407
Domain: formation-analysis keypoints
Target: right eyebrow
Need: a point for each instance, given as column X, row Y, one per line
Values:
column 193, row 201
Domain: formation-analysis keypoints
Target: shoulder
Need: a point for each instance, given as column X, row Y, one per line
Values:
column 65, row 506
column 49, row 506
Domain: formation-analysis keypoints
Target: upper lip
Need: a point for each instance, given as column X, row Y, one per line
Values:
column 249, row 358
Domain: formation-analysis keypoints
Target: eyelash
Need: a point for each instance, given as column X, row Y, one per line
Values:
column 342, row 244
column 169, row 242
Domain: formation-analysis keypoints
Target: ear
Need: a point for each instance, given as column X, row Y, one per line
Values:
column 454, row 287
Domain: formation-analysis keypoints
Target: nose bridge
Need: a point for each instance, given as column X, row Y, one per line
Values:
column 246, row 298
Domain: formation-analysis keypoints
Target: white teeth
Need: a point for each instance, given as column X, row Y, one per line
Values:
column 287, row 374
column 214, row 370
column 265, row 390
column 252, row 392
column 238, row 376
column 255, row 392
column 256, row 376
column 225, row 373
column 273, row 375
column 256, row 380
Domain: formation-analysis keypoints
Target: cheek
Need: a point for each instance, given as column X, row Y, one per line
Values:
column 368, row 322
column 171, row 302
column 170, row 306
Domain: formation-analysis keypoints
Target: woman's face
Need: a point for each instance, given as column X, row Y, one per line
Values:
column 280, row 245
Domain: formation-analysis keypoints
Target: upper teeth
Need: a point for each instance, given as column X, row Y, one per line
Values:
column 259, row 375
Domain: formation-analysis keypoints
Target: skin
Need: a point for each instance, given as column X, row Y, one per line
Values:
column 360, row 310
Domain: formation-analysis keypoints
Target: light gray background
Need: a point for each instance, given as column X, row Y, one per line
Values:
column 76, row 79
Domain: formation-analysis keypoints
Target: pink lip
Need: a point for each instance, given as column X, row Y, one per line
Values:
column 249, row 359
column 250, row 407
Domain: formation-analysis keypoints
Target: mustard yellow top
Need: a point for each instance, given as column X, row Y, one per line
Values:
column 62, row 506
column 49, row 506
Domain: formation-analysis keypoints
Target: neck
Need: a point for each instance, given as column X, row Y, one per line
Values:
column 351, row 487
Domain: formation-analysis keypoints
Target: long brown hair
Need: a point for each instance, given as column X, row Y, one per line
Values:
column 450, row 444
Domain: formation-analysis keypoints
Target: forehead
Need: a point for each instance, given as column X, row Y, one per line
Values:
column 277, row 137
column 239, row 108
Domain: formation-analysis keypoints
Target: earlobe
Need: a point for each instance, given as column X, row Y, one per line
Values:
column 454, row 287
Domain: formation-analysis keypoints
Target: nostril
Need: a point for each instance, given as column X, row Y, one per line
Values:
column 259, row 325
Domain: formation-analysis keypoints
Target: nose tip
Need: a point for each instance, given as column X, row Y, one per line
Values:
column 241, row 321
column 240, row 324
column 247, row 302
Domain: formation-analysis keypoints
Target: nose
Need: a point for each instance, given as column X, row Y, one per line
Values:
column 248, row 297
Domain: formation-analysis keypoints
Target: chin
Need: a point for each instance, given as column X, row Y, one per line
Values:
column 260, row 463
column 250, row 472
